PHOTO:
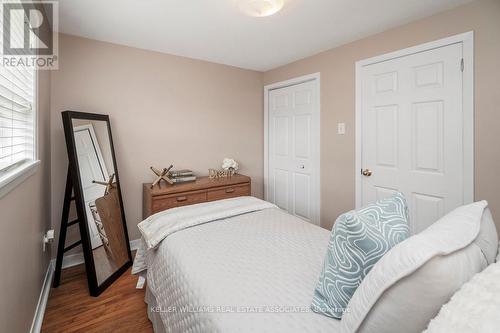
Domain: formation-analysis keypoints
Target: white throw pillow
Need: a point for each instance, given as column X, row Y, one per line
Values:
column 474, row 308
column 487, row 240
column 498, row 255
column 408, row 286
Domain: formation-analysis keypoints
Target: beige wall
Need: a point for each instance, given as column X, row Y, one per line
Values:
column 167, row 109
column 24, row 218
column 338, row 98
column 164, row 109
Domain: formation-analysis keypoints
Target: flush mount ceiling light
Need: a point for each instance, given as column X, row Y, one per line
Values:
column 261, row 8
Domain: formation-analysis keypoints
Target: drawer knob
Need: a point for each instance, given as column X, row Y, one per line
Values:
column 180, row 199
column 230, row 190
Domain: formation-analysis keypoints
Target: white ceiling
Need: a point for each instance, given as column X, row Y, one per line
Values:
column 215, row 30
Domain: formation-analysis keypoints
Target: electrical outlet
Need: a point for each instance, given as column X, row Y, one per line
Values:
column 47, row 238
column 341, row 128
column 140, row 282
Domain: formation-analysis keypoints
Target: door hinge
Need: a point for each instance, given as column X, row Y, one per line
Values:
column 462, row 64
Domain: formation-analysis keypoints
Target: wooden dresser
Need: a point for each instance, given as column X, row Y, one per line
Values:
column 203, row 189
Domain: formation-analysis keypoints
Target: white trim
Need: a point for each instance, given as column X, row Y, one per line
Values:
column 71, row 260
column 358, row 185
column 95, row 239
column 467, row 40
column 12, row 179
column 468, row 113
column 36, row 130
column 97, row 145
column 77, row 258
column 68, row 261
column 317, row 159
column 135, row 244
column 417, row 49
column 293, row 82
column 36, row 325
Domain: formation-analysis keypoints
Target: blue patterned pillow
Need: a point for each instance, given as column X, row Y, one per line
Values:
column 358, row 240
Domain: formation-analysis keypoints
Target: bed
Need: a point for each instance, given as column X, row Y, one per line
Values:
column 250, row 270
column 243, row 265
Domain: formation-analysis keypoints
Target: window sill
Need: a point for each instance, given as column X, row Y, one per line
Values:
column 12, row 179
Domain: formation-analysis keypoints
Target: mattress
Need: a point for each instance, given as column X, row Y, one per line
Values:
column 255, row 272
column 153, row 316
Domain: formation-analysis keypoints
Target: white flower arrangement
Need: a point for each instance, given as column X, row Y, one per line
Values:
column 229, row 164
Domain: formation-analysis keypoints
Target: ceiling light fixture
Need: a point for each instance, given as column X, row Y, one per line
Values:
column 261, row 8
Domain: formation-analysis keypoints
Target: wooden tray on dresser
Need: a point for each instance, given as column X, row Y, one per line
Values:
column 203, row 189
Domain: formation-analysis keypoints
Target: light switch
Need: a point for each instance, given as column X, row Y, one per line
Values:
column 341, row 128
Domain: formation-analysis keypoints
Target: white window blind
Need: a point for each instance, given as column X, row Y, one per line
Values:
column 17, row 116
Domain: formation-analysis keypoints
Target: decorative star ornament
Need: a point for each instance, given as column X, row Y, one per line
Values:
column 110, row 184
column 162, row 175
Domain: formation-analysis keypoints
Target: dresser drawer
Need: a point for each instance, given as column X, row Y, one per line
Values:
column 228, row 192
column 184, row 199
column 159, row 198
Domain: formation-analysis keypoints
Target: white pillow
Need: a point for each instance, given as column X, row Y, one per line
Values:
column 487, row 239
column 408, row 286
column 498, row 255
column 474, row 308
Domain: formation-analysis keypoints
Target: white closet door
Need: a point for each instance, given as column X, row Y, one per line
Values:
column 92, row 168
column 293, row 150
column 412, row 123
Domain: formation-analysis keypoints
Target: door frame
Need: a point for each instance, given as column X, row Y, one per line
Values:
column 102, row 166
column 97, row 147
column 316, row 193
column 467, row 40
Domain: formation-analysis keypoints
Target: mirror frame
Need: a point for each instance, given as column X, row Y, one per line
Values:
column 94, row 288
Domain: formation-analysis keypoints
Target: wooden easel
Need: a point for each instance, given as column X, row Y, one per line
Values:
column 61, row 248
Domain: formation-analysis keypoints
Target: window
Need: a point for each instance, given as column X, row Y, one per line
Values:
column 17, row 118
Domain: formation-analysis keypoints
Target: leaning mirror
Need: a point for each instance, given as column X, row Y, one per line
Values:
column 97, row 194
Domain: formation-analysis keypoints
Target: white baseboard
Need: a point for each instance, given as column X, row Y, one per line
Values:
column 77, row 258
column 71, row 260
column 36, row 325
column 68, row 261
column 134, row 244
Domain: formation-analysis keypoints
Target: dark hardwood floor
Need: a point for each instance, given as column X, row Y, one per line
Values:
column 120, row 308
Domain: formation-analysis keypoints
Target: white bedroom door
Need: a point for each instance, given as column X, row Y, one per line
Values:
column 293, row 147
column 412, row 132
column 92, row 168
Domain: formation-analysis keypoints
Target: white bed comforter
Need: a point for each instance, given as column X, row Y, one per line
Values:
column 159, row 226
column 254, row 272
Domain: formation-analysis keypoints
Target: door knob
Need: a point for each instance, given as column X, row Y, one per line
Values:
column 366, row 172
